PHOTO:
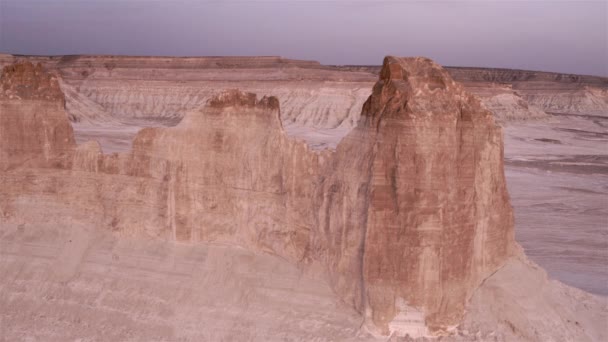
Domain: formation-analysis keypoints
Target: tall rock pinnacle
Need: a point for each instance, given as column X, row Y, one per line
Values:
column 439, row 219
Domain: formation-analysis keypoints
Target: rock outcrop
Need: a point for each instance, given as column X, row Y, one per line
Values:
column 33, row 125
column 27, row 81
column 437, row 216
column 404, row 219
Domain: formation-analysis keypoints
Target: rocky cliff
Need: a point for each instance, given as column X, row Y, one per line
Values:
column 404, row 219
column 32, row 117
column 438, row 199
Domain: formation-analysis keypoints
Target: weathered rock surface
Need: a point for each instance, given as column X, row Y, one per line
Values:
column 404, row 220
column 423, row 167
column 439, row 220
column 27, row 81
column 33, row 124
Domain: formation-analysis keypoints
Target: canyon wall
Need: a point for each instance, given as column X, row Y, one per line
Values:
column 404, row 219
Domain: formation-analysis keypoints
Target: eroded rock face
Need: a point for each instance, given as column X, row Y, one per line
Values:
column 404, row 219
column 32, row 116
column 439, row 219
column 24, row 80
column 416, row 200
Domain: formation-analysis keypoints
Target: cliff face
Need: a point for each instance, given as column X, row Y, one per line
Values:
column 229, row 174
column 404, row 219
column 437, row 216
column 32, row 116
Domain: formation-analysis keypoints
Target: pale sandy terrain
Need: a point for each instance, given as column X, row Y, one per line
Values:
column 65, row 283
column 557, row 174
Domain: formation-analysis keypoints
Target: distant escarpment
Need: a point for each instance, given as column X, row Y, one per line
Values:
column 128, row 89
column 499, row 75
column 404, row 219
column 553, row 93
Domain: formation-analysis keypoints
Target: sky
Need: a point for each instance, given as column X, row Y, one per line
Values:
column 560, row 36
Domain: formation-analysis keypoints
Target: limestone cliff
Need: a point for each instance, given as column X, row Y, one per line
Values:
column 404, row 219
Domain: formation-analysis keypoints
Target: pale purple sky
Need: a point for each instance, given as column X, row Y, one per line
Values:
column 563, row 36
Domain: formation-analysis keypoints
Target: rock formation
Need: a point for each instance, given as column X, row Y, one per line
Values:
column 33, row 124
column 439, row 220
column 405, row 218
column 434, row 204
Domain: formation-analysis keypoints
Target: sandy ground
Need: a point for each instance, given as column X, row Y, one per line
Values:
column 557, row 174
column 66, row 283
